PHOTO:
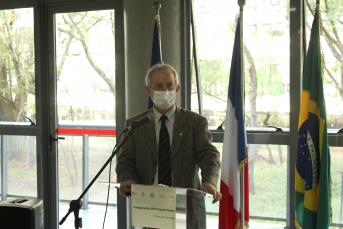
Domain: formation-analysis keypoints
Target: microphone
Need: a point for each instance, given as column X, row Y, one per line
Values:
column 141, row 121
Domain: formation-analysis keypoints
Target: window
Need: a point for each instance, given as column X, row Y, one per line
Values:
column 21, row 165
column 337, row 184
column 17, row 103
column 17, row 67
column 85, row 74
column 266, row 52
column 332, row 68
column 85, row 67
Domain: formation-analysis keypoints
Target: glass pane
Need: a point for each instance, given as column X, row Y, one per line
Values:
column 85, row 73
column 71, row 152
column 71, row 165
column 100, row 149
column 266, row 38
column 268, row 196
column 337, row 184
column 17, row 67
column 85, row 67
column 214, row 24
column 331, row 42
column 22, row 165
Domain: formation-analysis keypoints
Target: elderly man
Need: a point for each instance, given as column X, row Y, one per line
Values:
column 172, row 147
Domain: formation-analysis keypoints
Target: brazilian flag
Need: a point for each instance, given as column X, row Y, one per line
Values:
column 312, row 175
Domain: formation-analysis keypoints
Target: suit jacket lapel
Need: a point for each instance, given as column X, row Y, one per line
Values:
column 179, row 129
column 150, row 138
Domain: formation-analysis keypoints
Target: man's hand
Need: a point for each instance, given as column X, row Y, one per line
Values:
column 211, row 189
column 125, row 187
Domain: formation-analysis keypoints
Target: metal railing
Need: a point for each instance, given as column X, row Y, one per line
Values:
column 68, row 130
column 103, row 131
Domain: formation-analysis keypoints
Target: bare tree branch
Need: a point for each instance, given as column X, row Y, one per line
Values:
column 326, row 33
column 336, row 83
column 333, row 27
column 253, row 86
column 335, row 44
column 210, row 94
column 95, row 66
column 64, row 56
column 5, row 99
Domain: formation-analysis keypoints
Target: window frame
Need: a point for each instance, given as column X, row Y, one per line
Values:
column 44, row 130
column 257, row 136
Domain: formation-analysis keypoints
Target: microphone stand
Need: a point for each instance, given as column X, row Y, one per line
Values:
column 75, row 205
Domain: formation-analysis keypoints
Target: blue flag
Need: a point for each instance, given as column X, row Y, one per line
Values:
column 156, row 54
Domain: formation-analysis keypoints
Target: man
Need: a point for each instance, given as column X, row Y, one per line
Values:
column 172, row 147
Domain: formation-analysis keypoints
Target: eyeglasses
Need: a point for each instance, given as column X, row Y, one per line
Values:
column 163, row 87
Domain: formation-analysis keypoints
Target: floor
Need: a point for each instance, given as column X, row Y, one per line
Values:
column 93, row 219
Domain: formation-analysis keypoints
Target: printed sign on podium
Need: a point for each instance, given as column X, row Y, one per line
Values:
column 153, row 206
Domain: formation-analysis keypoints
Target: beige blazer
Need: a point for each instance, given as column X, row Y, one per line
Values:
column 191, row 150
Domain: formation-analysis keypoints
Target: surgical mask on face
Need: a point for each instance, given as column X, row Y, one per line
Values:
column 164, row 99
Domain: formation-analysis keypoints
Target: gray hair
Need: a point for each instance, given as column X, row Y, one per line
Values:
column 158, row 67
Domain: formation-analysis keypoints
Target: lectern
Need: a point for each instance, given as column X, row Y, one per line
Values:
column 193, row 209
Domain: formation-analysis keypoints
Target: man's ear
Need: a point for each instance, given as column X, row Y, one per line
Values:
column 178, row 87
column 148, row 90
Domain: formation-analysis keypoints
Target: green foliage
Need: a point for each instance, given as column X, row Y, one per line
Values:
column 215, row 76
column 331, row 11
column 269, row 198
column 16, row 63
column 269, row 79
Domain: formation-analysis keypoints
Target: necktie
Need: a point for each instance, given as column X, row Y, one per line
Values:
column 164, row 165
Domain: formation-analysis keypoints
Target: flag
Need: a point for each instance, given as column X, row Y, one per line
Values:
column 156, row 53
column 312, row 175
column 234, row 157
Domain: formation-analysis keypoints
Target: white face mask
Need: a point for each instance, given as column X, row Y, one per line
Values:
column 164, row 99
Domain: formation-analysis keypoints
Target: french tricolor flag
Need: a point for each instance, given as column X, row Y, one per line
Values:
column 235, row 154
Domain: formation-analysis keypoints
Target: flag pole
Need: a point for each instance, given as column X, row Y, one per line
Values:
column 241, row 4
column 157, row 57
column 156, row 51
column 195, row 57
column 157, row 7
